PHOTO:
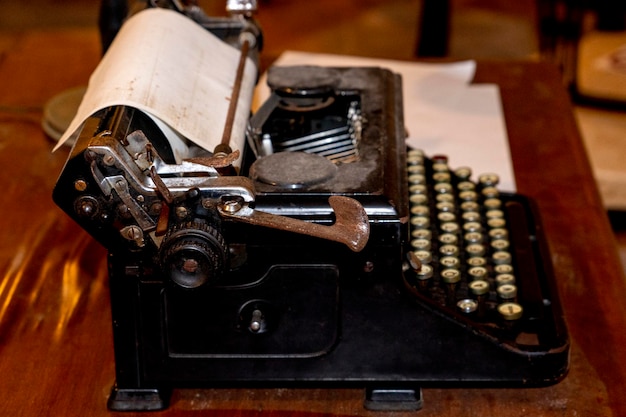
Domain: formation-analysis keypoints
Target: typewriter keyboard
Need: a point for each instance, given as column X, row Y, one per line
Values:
column 473, row 252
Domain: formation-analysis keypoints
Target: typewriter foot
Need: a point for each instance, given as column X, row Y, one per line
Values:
column 138, row 399
column 393, row 399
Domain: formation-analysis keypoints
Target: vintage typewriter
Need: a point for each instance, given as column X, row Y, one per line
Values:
column 333, row 256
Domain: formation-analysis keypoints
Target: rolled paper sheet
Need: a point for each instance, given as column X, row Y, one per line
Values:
column 178, row 73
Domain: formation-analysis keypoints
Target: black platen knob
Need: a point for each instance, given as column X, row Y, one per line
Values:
column 193, row 254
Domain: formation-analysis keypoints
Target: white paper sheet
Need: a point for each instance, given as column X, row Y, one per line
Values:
column 177, row 72
column 444, row 113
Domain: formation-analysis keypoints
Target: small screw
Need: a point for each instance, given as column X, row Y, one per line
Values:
column 133, row 233
column 181, row 212
column 80, row 185
column 207, row 203
column 123, row 210
column 257, row 320
column 231, row 206
column 86, row 206
column 155, row 208
column 108, row 160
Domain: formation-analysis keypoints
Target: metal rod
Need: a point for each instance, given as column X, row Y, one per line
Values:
column 232, row 108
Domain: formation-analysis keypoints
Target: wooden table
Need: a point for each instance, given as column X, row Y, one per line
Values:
column 56, row 355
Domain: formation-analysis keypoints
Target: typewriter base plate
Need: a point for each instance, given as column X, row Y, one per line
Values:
column 384, row 399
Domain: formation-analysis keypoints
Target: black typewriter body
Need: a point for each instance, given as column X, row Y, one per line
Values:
column 453, row 286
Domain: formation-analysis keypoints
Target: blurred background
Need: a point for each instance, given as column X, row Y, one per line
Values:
column 385, row 28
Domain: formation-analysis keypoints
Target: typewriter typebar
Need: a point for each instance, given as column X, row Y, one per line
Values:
column 332, row 257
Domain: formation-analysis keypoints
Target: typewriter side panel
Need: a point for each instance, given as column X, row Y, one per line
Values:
column 354, row 343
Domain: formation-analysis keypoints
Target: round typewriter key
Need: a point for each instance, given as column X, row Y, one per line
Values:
column 466, row 186
column 507, row 291
column 449, row 262
column 420, row 244
column 477, row 272
column 503, row 269
column 416, row 169
column 479, row 287
column 489, row 180
column 494, row 214
column 500, row 244
column 472, row 227
column 492, row 203
column 417, row 179
column 450, row 227
column 421, row 234
column 463, row 173
column 424, row 256
column 471, row 216
column 418, row 189
column 425, row 272
column 415, row 159
column 440, row 167
column 498, row 233
column 443, row 188
column 449, row 250
column 475, row 249
column 473, row 237
column 496, row 223
column 441, row 177
column 470, row 206
column 448, row 239
column 467, row 306
column 451, row 276
column 445, row 198
column 490, row 192
column 510, row 311
column 501, row 257
column 422, row 211
column 418, row 199
column 468, row 195
column 446, row 217
column 505, row 279
column 446, row 206
column 420, row 222
column 415, row 152
column 476, row 261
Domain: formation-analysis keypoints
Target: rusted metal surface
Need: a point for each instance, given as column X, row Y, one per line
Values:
column 351, row 226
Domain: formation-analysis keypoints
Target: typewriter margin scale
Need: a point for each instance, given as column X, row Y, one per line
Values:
column 390, row 316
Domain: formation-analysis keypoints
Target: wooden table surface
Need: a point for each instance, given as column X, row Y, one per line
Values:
column 56, row 355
